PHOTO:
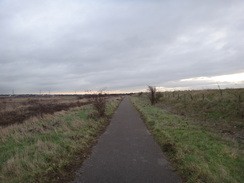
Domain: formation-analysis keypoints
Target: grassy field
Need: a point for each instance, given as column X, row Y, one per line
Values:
column 18, row 109
column 199, row 150
column 221, row 111
column 47, row 149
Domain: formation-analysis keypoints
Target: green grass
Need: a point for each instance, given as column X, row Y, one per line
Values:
column 198, row 154
column 42, row 151
column 207, row 104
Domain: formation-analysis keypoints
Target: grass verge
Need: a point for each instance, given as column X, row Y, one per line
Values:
column 45, row 150
column 197, row 154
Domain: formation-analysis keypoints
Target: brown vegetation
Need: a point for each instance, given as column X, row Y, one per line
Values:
column 49, row 149
column 153, row 94
column 99, row 104
column 17, row 110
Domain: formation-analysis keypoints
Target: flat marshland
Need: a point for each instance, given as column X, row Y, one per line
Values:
column 46, row 147
column 18, row 109
column 201, row 132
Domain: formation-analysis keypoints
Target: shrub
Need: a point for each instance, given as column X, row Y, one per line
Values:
column 152, row 95
column 99, row 103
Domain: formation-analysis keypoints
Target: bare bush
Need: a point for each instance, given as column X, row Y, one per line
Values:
column 152, row 94
column 99, row 103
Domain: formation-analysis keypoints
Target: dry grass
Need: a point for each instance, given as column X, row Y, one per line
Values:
column 40, row 149
column 17, row 110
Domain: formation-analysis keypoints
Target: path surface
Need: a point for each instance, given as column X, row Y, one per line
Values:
column 126, row 153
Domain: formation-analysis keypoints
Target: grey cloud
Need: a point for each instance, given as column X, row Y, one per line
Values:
column 77, row 45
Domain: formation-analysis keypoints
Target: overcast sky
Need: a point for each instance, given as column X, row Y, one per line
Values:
column 78, row 45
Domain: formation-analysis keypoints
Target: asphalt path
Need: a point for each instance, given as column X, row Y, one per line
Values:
column 126, row 153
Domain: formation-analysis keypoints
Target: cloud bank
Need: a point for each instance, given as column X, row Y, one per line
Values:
column 68, row 46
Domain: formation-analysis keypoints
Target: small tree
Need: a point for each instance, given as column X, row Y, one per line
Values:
column 99, row 103
column 152, row 94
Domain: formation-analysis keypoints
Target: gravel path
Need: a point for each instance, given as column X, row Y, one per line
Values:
column 126, row 153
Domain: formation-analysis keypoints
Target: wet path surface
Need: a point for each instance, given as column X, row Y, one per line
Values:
column 126, row 153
